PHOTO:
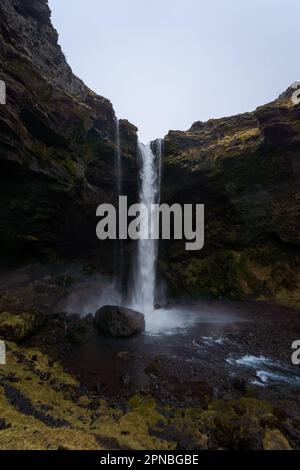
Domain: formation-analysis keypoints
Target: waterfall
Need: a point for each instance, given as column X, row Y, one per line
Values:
column 119, row 258
column 118, row 161
column 147, row 252
column 157, row 147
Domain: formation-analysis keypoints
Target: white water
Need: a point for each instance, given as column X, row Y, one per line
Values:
column 119, row 258
column 147, row 252
column 267, row 371
column 158, row 321
column 118, row 162
column 158, row 145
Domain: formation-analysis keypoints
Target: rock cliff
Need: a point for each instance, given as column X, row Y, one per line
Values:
column 57, row 140
column 246, row 170
column 57, row 164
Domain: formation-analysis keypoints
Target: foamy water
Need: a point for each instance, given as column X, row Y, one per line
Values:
column 166, row 321
column 267, row 371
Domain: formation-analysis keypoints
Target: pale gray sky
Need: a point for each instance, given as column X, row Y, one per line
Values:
column 167, row 63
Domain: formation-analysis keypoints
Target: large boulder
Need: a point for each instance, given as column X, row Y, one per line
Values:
column 119, row 322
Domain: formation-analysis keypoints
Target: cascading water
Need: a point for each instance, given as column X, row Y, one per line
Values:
column 147, row 252
column 118, row 162
column 119, row 259
column 157, row 147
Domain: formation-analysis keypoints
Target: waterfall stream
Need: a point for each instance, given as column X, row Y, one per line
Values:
column 119, row 255
column 146, row 259
column 118, row 163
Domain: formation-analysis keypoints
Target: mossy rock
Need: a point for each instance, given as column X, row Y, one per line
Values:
column 275, row 440
column 16, row 327
column 38, row 412
column 264, row 271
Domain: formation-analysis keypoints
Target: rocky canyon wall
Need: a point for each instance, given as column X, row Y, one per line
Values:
column 246, row 170
column 57, row 164
column 57, row 140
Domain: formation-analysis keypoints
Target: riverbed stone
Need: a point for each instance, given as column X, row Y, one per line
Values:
column 119, row 322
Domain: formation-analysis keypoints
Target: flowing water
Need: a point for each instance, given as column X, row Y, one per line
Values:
column 157, row 147
column 210, row 344
column 216, row 345
column 119, row 255
column 118, row 161
column 147, row 252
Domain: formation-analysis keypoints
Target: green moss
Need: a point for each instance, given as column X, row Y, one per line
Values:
column 274, row 440
column 16, row 327
column 89, row 424
column 51, row 392
column 71, row 167
column 264, row 271
column 213, row 276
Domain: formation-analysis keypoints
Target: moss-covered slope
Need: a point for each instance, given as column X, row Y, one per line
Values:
column 42, row 407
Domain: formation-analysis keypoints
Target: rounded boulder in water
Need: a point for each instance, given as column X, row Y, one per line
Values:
column 119, row 322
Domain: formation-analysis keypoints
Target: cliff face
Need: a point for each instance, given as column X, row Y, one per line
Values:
column 246, row 170
column 57, row 139
column 57, row 164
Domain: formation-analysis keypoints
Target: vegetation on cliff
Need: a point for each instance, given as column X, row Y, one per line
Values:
column 244, row 169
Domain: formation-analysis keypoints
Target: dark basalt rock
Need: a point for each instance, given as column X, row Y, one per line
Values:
column 245, row 169
column 35, row 8
column 119, row 322
column 57, row 141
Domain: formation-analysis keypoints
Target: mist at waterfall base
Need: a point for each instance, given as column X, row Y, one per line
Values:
column 145, row 291
column 94, row 292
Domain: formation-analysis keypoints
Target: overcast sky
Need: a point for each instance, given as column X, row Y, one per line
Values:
column 167, row 63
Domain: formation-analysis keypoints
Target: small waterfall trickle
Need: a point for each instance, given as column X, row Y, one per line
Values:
column 118, row 163
column 158, row 147
column 150, row 157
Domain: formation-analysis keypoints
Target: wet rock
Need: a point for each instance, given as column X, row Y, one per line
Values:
column 119, row 322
